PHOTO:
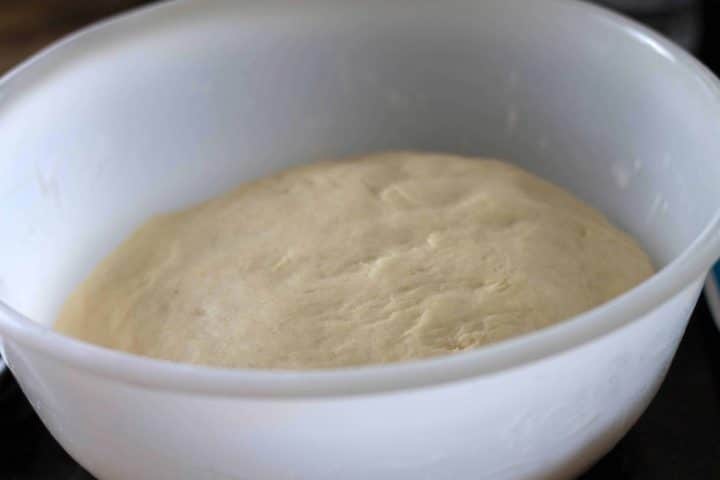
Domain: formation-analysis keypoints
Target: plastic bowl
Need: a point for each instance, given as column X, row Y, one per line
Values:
column 169, row 105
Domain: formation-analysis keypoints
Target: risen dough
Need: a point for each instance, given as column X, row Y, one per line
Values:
column 380, row 259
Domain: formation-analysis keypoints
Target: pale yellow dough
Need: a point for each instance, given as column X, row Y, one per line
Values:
column 379, row 259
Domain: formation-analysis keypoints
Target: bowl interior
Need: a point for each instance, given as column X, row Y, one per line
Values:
column 164, row 108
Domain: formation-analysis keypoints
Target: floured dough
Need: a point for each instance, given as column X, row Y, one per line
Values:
column 379, row 259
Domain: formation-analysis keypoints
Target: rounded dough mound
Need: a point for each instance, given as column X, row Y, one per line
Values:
column 379, row 259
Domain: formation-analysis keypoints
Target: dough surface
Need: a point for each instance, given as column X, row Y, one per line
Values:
column 385, row 258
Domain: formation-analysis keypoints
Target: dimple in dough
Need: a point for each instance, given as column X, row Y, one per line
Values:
column 385, row 258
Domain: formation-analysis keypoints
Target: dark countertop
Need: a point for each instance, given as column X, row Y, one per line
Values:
column 678, row 437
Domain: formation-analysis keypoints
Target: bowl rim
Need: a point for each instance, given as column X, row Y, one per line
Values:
column 672, row 280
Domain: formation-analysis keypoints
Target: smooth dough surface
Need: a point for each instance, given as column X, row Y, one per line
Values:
column 379, row 259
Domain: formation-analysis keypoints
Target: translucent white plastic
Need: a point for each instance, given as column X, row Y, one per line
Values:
column 165, row 107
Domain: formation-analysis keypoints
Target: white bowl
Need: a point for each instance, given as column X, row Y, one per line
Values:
column 161, row 108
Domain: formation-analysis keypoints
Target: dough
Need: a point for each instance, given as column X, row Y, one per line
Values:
column 390, row 257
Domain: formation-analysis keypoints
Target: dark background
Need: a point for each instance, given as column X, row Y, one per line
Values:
column 677, row 438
